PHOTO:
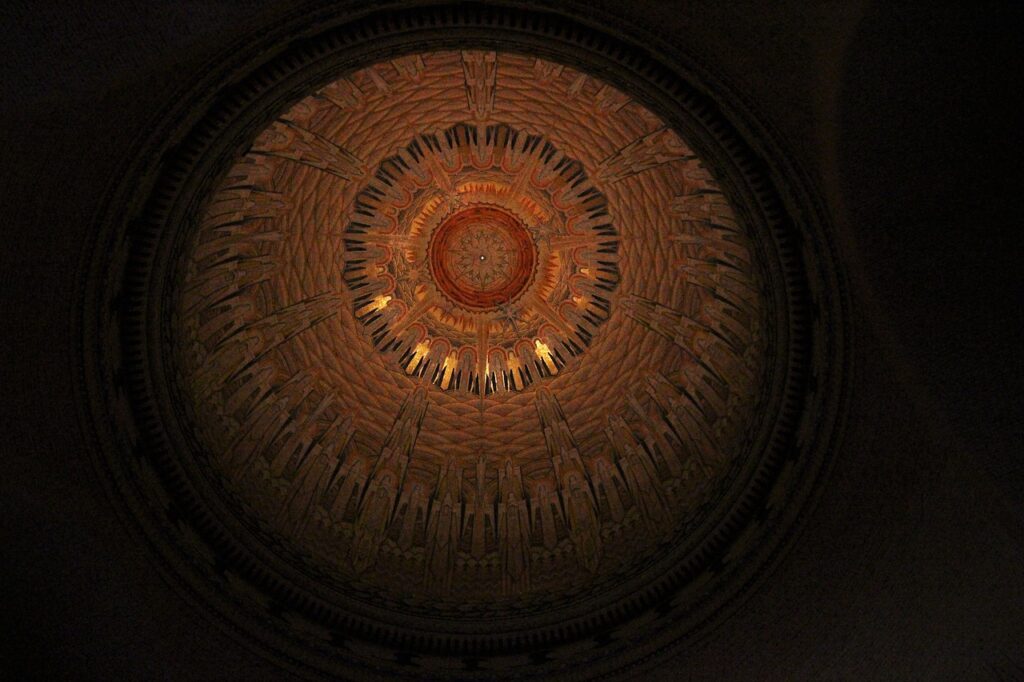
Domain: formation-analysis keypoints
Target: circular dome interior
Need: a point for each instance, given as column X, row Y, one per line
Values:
column 461, row 344
column 470, row 332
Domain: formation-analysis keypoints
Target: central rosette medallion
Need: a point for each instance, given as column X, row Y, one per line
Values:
column 482, row 257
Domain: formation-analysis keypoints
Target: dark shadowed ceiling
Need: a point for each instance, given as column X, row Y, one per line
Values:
column 459, row 359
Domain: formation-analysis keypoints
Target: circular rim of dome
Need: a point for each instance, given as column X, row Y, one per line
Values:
column 123, row 333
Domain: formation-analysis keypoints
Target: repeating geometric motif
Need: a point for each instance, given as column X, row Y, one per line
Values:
column 364, row 438
column 425, row 322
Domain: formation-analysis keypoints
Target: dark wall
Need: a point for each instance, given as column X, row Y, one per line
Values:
column 912, row 564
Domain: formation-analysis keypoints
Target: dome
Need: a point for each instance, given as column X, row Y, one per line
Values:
column 470, row 329
column 479, row 346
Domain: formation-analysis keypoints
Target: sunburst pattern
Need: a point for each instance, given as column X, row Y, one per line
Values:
column 470, row 319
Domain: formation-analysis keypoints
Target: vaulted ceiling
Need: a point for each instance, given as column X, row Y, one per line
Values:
column 472, row 328
column 268, row 405
column 467, row 354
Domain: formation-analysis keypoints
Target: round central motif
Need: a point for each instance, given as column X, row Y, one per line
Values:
column 482, row 257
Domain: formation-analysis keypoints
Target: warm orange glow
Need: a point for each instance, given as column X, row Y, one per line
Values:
column 447, row 370
column 419, row 351
column 544, row 353
column 513, row 365
column 378, row 303
column 498, row 238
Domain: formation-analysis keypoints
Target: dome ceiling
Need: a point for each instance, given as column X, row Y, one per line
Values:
column 470, row 332
column 461, row 343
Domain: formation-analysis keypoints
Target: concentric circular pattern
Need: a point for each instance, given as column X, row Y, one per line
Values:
column 549, row 246
column 347, row 418
column 482, row 258
column 461, row 363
